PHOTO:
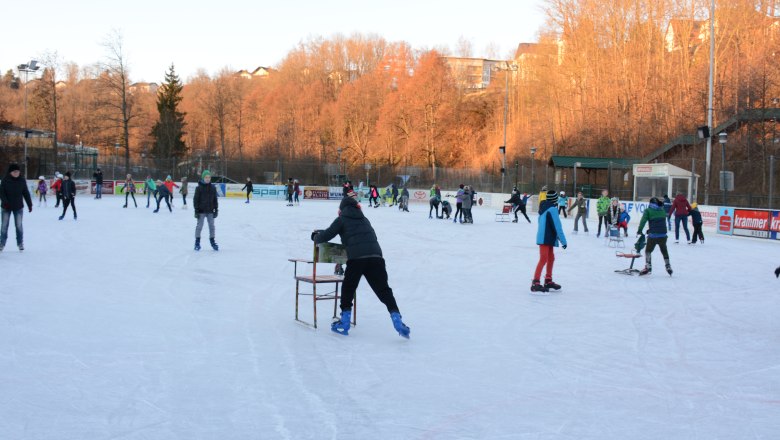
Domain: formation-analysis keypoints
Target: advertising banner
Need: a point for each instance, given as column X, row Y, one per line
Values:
column 419, row 195
column 751, row 223
column 108, row 187
column 709, row 215
column 272, row 192
column 118, row 185
column 725, row 221
column 774, row 225
column 316, row 193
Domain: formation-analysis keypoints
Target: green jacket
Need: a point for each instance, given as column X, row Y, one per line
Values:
column 151, row 185
column 602, row 205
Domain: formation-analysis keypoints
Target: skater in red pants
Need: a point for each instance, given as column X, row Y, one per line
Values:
column 549, row 234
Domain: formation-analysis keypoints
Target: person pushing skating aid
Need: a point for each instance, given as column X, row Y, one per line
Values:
column 364, row 258
column 655, row 217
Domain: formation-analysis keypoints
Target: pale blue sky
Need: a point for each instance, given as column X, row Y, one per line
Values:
column 247, row 34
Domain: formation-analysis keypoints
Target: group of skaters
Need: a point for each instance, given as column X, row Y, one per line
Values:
column 63, row 187
column 613, row 216
column 465, row 199
column 156, row 190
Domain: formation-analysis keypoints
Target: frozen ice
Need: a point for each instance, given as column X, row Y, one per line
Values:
column 112, row 327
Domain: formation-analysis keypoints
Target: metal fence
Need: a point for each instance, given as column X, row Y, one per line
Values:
column 756, row 181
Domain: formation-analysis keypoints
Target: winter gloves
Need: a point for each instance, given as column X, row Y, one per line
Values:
column 777, row 272
column 314, row 233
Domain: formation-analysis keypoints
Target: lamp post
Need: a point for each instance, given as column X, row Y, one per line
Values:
column 368, row 167
column 33, row 67
column 517, row 163
column 113, row 169
column 338, row 173
column 533, row 170
column 709, row 105
column 723, row 138
column 502, row 150
column 576, row 164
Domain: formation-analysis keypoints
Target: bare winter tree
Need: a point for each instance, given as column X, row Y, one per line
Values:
column 115, row 84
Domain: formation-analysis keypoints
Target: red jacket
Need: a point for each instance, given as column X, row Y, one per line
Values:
column 169, row 184
column 57, row 185
column 680, row 206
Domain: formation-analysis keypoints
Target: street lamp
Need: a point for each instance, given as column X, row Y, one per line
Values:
column 33, row 67
column 113, row 169
column 723, row 138
column 507, row 68
column 576, row 164
column 502, row 150
column 517, row 163
column 533, row 172
column 368, row 167
column 338, row 173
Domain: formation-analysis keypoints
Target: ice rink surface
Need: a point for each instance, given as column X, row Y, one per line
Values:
column 112, row 327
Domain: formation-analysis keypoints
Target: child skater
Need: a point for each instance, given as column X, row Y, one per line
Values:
column 184, row 191
column 548, row 235
column 655, row 217
column 697, row 223
column 42, row 188
column 364, row 258
column 129, row 189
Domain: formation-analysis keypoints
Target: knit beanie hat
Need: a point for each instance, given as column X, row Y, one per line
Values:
column 67, row 173
column 552, row 196
column 205, row 173
column 13, row 167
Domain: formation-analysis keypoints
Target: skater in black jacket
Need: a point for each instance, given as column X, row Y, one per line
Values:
column 248, row 188
column 13, row 195
column 68, row 195
column 364, row 258
column 206, row 208
column 518, row 204
column 163, row 193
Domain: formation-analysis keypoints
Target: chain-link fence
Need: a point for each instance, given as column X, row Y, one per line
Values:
column 755, row 180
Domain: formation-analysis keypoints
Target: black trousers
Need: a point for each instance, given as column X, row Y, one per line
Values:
column 130, row 194
column 603, row 218
column 651, row 244
column 167, row 201
column 562, row 209
column 459, row 210
column 68, row 202
column 376, row 274
column 521, row 208
column 58, row 195
column 697, row 233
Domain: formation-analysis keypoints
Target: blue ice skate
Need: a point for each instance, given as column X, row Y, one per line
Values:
column 399, row 325
column 342, row 326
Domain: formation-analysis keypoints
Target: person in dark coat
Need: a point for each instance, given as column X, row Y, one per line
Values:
column 98, row 176
column 433, row 203
column 68, row 195
column 364, row 258
column 404, row 206
column 698, row 222
column 394, row 191
column 518, row 204
column 667, row 209
column 249, row 188
column 290, row 187
column 206, row 208
column 296, row 192
column 163, row 193
column 13, row 195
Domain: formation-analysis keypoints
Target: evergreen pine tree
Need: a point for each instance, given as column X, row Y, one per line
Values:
column 169, row 129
